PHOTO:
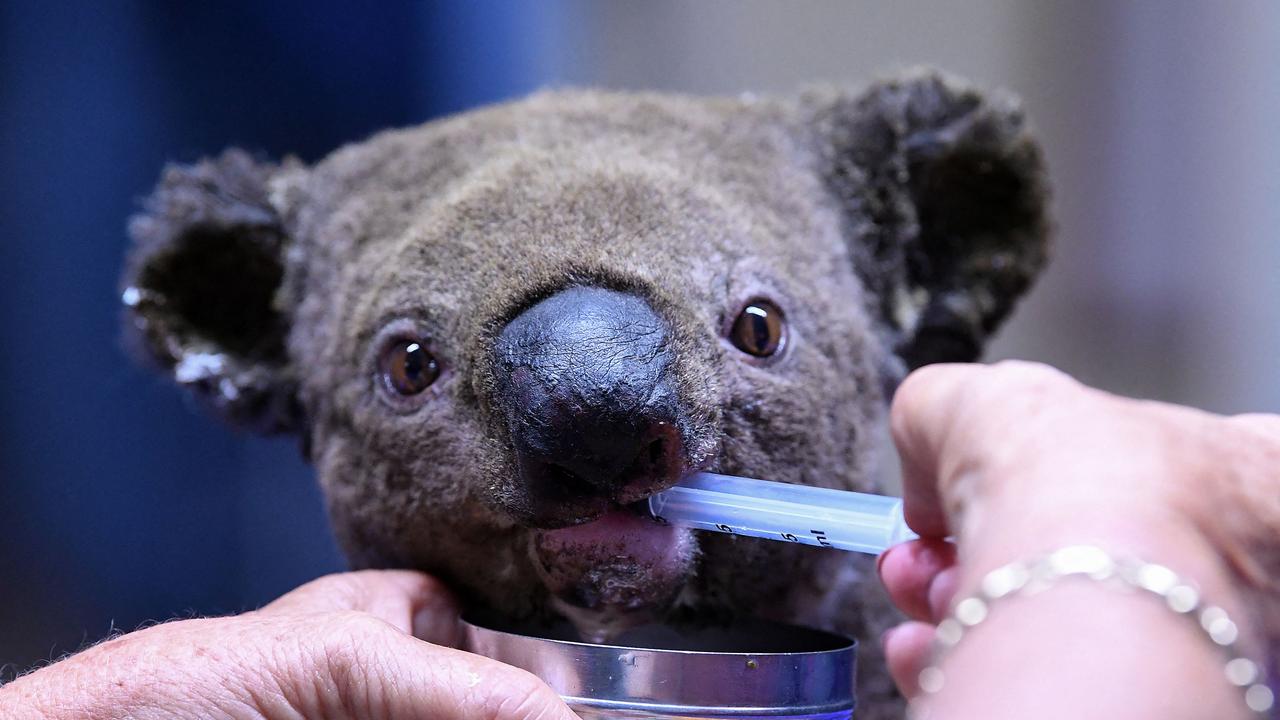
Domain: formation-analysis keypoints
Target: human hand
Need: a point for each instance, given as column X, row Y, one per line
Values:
column 363, row 644
column 1016, row 459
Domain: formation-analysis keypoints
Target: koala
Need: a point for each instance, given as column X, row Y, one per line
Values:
column 497, row 334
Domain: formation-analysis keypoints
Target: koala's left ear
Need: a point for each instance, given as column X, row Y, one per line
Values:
column 945, row 203
column 201, row 288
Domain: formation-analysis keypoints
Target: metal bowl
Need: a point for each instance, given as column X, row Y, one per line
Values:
column 753, row 669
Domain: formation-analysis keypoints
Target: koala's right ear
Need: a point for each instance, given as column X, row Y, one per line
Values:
column 202, row 283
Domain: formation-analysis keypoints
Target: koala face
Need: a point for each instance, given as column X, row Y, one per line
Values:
column 499, row 333
column 581, row 283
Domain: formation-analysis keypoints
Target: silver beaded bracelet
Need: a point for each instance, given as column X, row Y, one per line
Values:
column 1087, row 561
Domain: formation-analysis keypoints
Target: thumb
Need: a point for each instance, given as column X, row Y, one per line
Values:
column 412, row 602
column 954, row 423
column 362, row 628
column 392, row 675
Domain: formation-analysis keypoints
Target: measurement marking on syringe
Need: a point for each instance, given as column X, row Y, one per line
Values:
column 813, row 537
column 756, row 508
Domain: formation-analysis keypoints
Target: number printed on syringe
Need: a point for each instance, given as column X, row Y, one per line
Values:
column 857, row 522
column 815, row 537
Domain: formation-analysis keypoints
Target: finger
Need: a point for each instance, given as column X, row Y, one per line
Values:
column 412, row 602
column 907, row 649
column 392, row 675
column 909, row 572
column 954, row 423
column 942, row 591
column 921, row 418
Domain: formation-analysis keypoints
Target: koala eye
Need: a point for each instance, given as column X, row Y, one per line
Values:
column 407, row 368
column 759, row 329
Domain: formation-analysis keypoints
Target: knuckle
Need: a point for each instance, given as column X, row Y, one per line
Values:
column 355, row 625
column 1253, row 441
column 348, row 653
column 1024, row 375
column 346, row 641
column 923, row 379
column 332, row 581
column 978, row 397
column 1020, row 389
column 340, row 588
column 521, row 696
column 1262, row 424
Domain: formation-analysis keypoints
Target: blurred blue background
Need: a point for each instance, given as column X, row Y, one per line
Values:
column 120, row 502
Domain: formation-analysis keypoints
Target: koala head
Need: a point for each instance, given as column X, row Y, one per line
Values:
column 498, row 333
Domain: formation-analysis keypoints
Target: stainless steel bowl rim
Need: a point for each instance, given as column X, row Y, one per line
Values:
column 665, row 682
column 790, row 711
column 666, row 651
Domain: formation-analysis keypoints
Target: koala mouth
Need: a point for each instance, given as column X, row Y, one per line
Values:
column 615, row 572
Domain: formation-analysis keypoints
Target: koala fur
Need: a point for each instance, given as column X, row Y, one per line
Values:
column 893, row 228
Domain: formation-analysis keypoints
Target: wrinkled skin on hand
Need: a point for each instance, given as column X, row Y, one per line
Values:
column 371, row 644
column 1018, row 458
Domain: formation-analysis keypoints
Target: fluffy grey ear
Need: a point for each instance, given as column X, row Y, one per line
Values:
column 945, row 200
column 201, row 288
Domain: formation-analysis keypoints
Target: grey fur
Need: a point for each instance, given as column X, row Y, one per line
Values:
column 894, row 227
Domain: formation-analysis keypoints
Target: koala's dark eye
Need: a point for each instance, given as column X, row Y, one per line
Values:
column 759, row 329
column 407, row 367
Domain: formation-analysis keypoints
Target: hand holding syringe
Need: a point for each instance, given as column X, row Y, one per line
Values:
column 779, row 511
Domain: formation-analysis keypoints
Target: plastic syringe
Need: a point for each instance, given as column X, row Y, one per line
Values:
column 838, row 519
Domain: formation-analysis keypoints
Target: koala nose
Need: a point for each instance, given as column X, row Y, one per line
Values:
column 584, row 380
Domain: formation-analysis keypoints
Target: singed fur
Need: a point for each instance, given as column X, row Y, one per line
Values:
column 893, row 228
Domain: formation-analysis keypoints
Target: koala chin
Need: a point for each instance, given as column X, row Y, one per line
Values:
column 498, row 333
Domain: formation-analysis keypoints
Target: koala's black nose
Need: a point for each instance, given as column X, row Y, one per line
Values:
column 584, row 382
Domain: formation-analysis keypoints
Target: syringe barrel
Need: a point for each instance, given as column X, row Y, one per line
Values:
column 779, row 511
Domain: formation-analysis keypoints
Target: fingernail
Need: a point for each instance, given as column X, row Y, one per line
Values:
column 941, row 590
column 880, row 559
